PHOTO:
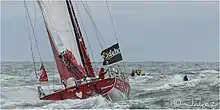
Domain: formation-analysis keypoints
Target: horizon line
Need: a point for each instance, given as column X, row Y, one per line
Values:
column 123, row 61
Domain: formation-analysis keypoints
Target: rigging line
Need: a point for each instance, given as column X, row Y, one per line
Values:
column 84, row 29
column 99, row 38
column 123, row 63
column 97, row 30
column 35, row 16
column 72, row 32
column 29, row 36
column 88, row 6
column 50, row 22
column 78, row 33
column 112, row 23
column 29, row 18
column 53, row 72
column 89, row 10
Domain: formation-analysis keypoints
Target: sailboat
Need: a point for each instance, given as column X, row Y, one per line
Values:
column 73, row 62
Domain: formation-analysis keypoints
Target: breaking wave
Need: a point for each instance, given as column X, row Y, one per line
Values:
column 156, row 90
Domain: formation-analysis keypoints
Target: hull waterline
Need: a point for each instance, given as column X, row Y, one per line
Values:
column 112, row 89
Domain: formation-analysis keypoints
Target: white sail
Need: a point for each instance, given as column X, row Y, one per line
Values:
column 58, row 20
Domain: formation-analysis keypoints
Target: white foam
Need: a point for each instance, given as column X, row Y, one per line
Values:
column 5, row 77
column 22, row 104
column 77, row 103
column 177, row 78
column 177, row 81
column 190, row 83
column 2, row 101
column 210, row 71
column 215, row 81
column 159, row 88
column 20, row 93
column 143, row 77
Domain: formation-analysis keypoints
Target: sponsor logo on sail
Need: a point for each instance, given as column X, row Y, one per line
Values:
column 111, row 53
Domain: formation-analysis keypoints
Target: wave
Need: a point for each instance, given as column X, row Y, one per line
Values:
column 177, row 81
column 215, row 82
column 140, row 79
column 210, row 71
column 129, row 104
column 143, row 77
column 6, row 77
column 24, row 104
column 150, row 91
column 62, row 104
column 160, row 88
column 77, row 103
column 19, row 93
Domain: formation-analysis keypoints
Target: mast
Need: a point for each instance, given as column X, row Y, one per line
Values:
column 88, row 63
column 81, row 44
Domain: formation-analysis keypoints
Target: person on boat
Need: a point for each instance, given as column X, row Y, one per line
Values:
column 102, row 73
column 138, row 72
column 81, row 69
column 40, row 91
column 185, row 78
column 132, row 73
column 68, row 58
column 64, row 84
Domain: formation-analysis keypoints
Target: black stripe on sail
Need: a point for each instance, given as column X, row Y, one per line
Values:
column 111, row 55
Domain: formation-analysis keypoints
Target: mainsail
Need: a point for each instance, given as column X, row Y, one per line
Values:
column 59, row 24
column 64, row 36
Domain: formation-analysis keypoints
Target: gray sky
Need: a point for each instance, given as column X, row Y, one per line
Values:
column 148, row 31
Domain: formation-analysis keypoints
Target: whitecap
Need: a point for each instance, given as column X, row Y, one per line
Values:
column 210, row 71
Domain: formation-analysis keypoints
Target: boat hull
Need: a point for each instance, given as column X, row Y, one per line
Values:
column 111, row 88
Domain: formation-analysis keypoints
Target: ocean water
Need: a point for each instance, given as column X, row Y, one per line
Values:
column 162, row 87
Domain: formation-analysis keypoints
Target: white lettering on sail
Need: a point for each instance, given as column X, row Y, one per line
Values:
column 111, row 53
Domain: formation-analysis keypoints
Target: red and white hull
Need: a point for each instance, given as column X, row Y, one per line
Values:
column 111, row 88
column 119, row 91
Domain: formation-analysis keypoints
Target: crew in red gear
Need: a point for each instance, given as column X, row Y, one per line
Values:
column 70, row 58
column 102, row 73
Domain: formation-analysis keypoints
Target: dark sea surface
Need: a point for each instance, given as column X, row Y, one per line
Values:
column 162, row 88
